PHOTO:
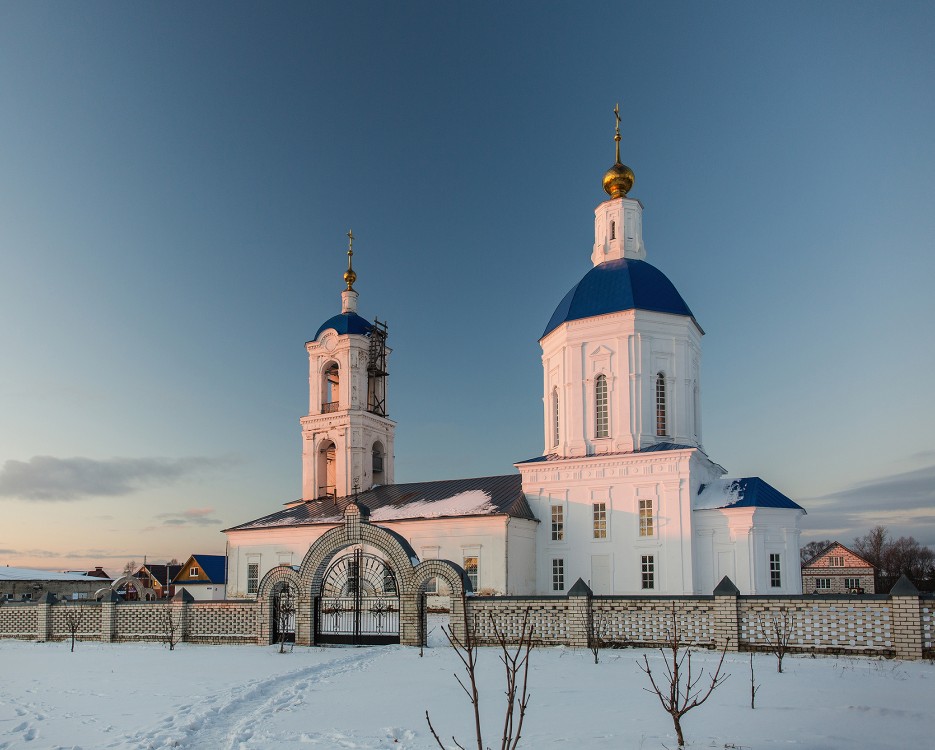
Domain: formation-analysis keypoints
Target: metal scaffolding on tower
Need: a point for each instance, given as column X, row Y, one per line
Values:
column 376, row 369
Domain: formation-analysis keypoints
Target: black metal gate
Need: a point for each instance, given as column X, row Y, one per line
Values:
column 359, row 602
column 284, row 615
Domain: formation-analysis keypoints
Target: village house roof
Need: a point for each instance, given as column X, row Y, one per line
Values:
column 446, row 498
column 213, row 567
column 835, row 545
column 28, row 574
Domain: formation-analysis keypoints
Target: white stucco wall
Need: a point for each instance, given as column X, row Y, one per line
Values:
column 503, row 545
column 737, row 542
column 612, row 565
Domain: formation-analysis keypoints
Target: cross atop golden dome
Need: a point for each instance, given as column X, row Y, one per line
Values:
column 619, row 178
column 349, row 276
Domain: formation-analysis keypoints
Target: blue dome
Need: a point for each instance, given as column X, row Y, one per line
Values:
column 624, row 284
column 346, row 323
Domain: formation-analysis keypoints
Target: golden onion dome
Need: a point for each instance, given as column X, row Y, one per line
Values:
column 350, row 277
column 618, row 180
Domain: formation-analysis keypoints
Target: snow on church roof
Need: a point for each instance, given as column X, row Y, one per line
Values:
column 447, row 498
column 746, row 492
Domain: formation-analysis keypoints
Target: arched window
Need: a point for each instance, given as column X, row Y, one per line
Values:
column 327, row 470
column 555, row 416
column 660, row 405
column 378, row 470
column 331, row 379
column 613, row 230
column 601, row 426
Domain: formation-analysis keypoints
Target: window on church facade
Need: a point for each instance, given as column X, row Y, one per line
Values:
column 253, row 577
column 613, row 230
column 555, row 416
column 472, row 570
column 558, row 574
column 660, row 405
column 558, row 523
column 775, row 571
column 646, row 517
column 601, row 422
column 648, row 571
column 600, row 520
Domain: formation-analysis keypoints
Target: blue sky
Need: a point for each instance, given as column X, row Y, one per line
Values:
column 176, row 181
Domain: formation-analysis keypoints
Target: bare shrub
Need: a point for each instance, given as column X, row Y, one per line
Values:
column 778, row 629
column 74, row 614
column 679, row 691
column 516, row 667
column 171, row 627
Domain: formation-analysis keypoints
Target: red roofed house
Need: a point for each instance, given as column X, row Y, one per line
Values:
column 838, row 570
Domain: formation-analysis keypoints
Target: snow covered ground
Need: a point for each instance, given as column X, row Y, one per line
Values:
column 251, row 698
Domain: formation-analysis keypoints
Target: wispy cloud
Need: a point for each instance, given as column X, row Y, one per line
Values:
column 47, row 478
column 903, row 502
column 190, row 517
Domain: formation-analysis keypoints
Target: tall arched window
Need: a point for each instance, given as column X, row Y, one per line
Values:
column 329, row 388
column 378, row 465
column 601, row 425
column 613, row 230
column 555, row 416
column 660, row 405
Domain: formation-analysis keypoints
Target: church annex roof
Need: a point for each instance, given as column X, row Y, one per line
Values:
column 345, row 323
column 616, row 285
column 648, row 449
column 446, row 498
column 747, row 492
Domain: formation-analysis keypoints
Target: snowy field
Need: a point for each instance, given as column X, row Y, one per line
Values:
column 252, row 698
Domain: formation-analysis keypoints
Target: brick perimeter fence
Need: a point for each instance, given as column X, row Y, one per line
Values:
column 899, row 625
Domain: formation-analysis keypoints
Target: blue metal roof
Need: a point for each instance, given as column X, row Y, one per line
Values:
column 346, row 323
column 753, row 492
column 648, row 449
column 214, row 566
column 624, row 284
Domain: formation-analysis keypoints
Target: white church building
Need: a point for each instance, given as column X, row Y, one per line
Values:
column 623, row 496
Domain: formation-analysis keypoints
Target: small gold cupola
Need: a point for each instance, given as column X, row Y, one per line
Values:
column 349, row 276
column 349, row 295
column 619, row 178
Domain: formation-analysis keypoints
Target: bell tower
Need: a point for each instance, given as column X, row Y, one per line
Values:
column 347, row 437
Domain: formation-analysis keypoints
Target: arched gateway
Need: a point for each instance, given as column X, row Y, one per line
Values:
column 358, row 583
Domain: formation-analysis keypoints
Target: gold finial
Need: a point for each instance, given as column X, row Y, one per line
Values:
column 619, row 178
column 349, row 276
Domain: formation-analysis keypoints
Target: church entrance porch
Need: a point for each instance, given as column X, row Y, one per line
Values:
column 359, row 602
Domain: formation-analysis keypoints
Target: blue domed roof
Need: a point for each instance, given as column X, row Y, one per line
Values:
column 624, row 284
column 346, row 323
